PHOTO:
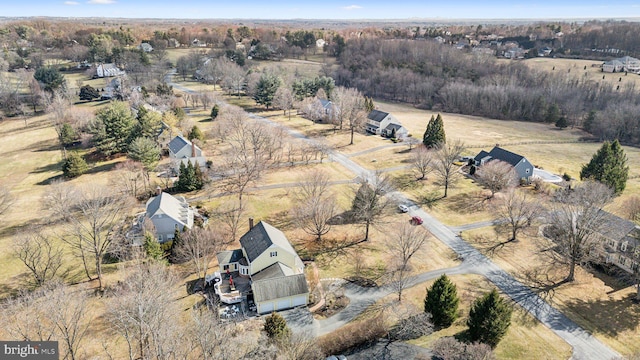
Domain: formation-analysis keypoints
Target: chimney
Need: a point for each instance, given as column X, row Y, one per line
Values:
column 158, row 190
column 193, row 149
column 250, row 223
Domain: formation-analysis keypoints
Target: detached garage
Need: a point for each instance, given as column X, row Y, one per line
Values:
column 280, row 293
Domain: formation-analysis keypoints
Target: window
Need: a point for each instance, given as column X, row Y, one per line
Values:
column 160, row 238
column 244, row 271
column 225, row 267
column 623, row 247
column 273, row 254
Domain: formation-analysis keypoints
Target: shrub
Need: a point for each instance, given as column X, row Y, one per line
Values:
column 276, row 327
column 566, row 177
column 442, row 302
column 489, row 319
column 74, row 165
column 448, row 348
column 412, row 327
column 352, row 335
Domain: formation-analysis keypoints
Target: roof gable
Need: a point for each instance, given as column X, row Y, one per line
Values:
column 377, row 115
column 170, row 206
column 280, row 287
column 273, row 271
column 261, row 237
column 498, row 153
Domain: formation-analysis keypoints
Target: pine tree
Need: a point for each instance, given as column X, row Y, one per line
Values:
column 74, row 165
column 276, row 327
column 553, row 113
column 214, row 112
column 152, row 247
column 266, row 89
column 113, row 128
column 489, row 319
column 368, row 103
column 434, row 135
column 442, row 302
column 608, row 166
column 562, row 122
column 190, row 177
column 196, row 133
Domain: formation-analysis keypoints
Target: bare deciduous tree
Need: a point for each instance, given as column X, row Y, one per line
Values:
column 349, row 109
column 6, row 199
column 518, row 210
column 316, row 205
column 576, row 220
column 128, row 178
column 229, row 215
column 421, row 160
column 59, row 199
column 95, row 215
column 497, row 175
column 403, row 244
column 39, row 254
column 369, row 202
column 199, row 246
column 68, row 310
column 299, row 346
column 283, row 99
column 138, row 309
column 444, row 163
column 631, row 207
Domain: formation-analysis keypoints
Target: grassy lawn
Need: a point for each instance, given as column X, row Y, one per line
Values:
column 576, row 68
column 526, row 338
column 596, row 302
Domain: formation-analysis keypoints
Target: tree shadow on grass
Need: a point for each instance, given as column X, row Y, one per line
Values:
column 52, row 167
column 467, row 203
column 101, row 168
column 612, row 316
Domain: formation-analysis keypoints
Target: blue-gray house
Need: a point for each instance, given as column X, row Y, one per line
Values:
column 523, row 167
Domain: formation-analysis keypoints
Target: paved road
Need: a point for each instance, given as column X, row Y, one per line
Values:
column 585, row 346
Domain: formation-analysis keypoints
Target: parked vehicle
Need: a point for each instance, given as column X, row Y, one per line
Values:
column 416, row 220
column 403, row 208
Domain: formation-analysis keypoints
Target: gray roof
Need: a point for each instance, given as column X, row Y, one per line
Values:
column 481, row 155
column 177, row 143
column 325, row 103
column 501, row 154
column 280, row 287
column 261, row 237
column 377, row 115
column 274, row 271
column 228, row 257
column 175, row 208
column 615, row 227
column 395, row 126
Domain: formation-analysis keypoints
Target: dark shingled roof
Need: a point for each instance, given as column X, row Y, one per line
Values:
column 392, row 126
column 228, row 257
column 377, row 115
column 615, row 227
column 280, row 287
column 261, row 237
column 177, row 143
column 501, row 154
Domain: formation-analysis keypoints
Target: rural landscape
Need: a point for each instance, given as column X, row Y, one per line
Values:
column 320, row 189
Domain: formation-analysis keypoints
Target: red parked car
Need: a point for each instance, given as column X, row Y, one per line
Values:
column 416, row 220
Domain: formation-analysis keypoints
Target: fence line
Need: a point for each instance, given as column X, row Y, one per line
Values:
column 534, row 142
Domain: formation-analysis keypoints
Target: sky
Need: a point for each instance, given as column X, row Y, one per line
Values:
column 325, row 9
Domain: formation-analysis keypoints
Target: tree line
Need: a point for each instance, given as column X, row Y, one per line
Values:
column 434, row 76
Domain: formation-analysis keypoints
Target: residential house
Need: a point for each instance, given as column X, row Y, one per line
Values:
column 523, row 167
column 621, row 242
column 182, row 150
column 275, row 269
column 327, row 109
column 198, row 43
column 320, row 43
column 108, row 70
column 625, row 63
column 383, row 123
column 168, row 213
column 146, row 47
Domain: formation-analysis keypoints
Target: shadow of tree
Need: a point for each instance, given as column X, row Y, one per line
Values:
column 466, row 203
column 612, row 316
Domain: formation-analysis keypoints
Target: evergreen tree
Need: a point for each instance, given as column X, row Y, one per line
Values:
column 214, row 112
column 148, row 124
column 196, row 133
column 152, row 247
column 190, row 177
column 434, row 135
column 113, row 127
column 266, row 89
column 68, row 134
column 146, row 151
column 368, row 103
column 50, row 77
column 88, row 93
column 74, row 165
column 562, row 122
column 276, row 327
column 442, row 302
column 553, row 113
column 590, row 121
column 489, row 319
column 608, row 166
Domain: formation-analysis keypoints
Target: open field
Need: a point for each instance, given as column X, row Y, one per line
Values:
column 525, row 339
column 576, row 68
